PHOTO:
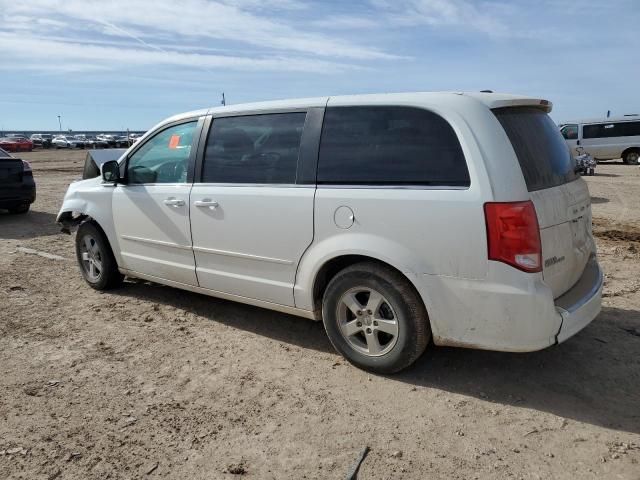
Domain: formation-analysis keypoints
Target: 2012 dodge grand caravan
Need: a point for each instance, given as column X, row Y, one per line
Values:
column 394, row 219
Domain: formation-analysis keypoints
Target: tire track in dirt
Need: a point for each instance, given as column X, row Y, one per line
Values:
column 604, row 228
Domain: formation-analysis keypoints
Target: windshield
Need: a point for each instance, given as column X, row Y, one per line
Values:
column 544, row 157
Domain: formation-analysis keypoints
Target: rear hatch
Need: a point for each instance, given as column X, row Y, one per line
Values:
column 11, row 172
column 560, row 196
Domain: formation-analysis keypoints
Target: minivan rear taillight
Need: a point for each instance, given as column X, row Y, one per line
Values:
column 513, row 235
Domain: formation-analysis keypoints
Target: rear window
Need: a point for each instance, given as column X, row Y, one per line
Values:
column 389, row 146
column 258, row 149
column 544, row 157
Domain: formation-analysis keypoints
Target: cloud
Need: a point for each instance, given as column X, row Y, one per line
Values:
column 130, row 52
column 269, row 4
column 480, row 16
column 73, row 57
column 346, row 22
column 200, row 20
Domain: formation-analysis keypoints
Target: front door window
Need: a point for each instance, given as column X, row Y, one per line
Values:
column 164, row 158
column 570, row 132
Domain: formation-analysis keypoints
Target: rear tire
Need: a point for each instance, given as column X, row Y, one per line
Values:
column 97, row 263
column 632, row 157
column 20, row 209
column 375, row 318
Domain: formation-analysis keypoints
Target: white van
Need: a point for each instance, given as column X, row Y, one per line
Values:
column 395, row 219
column 607, row 139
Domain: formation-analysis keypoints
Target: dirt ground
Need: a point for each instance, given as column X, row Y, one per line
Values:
column 149, row 381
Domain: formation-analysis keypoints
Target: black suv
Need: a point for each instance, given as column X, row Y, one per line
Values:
column 17, row 187
column 42, row 140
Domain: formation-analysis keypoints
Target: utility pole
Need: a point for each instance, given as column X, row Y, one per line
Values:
column 59, row 124
column 224, row 101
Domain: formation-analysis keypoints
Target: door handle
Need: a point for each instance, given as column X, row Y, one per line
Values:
column 173, row 202
column 212, row 204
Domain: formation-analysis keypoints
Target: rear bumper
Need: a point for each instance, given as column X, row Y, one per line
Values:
column 580, row 305
column 12, row 196
column 514, row 312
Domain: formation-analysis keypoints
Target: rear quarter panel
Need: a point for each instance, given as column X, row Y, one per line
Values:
column 435, row 236
column 418, row 230
column 433, row 232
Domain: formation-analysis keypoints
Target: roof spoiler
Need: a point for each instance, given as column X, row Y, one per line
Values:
column 545, row 105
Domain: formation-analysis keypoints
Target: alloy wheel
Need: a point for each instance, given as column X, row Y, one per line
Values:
column 367, row 321
column 91, row 258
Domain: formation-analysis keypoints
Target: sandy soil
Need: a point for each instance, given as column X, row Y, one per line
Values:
column 150, row 382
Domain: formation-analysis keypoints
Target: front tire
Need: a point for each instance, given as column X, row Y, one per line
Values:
column 375, row 318
column 97, row 263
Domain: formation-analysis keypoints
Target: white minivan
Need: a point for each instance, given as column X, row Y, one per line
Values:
column 395, row 219
column 606, row 139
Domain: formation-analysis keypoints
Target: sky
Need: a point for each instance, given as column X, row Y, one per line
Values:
column 117, row 64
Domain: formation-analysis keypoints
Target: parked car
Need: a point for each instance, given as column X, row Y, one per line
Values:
column 67, row 141
column 82, row 141
column 94, row 142
column 109, row 139
column 17, row 187
column 16, row 143
column 123, row 142
column 605, row 139
column 42, row 140
column 394, row 219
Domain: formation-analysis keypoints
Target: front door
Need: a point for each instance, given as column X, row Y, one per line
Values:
column 570, row 134
column 151, row 210
column 251, row 220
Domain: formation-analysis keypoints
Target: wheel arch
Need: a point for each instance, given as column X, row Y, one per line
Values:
column 339, row 251
column 81, row 219
column 95, row 223
column 109, row 274
column 635, row 148
column 95, row 208
column 335, row 264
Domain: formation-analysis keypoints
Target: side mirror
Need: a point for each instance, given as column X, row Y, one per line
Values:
column 111, row 171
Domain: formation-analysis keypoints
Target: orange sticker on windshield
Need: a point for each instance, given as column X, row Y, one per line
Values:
column 174, row 141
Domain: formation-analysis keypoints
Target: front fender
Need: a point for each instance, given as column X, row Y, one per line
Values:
column 72, row 212
column 90, row 198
